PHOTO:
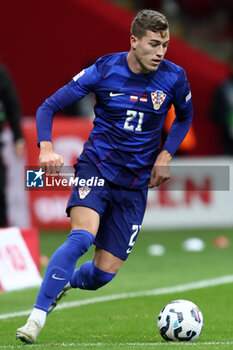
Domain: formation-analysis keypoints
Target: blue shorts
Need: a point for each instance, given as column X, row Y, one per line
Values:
column 121, row 210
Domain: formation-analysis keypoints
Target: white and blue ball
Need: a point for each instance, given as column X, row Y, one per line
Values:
column 180, row 320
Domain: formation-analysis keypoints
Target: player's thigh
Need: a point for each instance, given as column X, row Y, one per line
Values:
column 84, row 218
column 121, row 222
column 106, row 261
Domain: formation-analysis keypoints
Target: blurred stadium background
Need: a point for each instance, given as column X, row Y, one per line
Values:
column 45, row 43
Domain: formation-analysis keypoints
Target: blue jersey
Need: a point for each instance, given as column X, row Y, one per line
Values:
column 130, row 113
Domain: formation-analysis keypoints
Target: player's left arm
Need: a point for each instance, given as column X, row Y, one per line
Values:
column 182, row 101
column 160, row 171
column 179, row 129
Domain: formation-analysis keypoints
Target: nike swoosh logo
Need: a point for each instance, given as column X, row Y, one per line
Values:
column 113, row 94
column 57, row 278
column 128, row 250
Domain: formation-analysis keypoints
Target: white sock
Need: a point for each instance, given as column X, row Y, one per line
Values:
column 39, row 315
column 68, row 285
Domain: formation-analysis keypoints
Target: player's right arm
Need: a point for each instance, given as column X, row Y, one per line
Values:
column 80, row 85
column 50, row 161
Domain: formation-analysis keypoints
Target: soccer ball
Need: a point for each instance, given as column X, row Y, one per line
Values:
column 180, row 320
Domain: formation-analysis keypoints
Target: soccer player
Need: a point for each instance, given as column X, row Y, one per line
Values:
column 134, row 91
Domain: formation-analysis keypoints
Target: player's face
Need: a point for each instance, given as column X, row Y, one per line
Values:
column 150, row 50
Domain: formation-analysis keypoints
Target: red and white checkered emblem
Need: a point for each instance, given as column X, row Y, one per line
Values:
column 157, row 98
column 83, row 191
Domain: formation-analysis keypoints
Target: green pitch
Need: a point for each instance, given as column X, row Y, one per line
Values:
column 129, row 321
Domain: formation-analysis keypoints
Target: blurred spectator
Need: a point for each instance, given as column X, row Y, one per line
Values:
column 137, row 5
column 222, row 110
column 208, row 24
column 9, row 112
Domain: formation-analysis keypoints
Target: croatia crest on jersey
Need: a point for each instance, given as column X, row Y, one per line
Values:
column 157, row 98
column 83, row 191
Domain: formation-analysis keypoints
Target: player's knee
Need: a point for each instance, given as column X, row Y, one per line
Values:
column 79, row 240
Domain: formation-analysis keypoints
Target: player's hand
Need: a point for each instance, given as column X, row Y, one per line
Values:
column 160, row 171
column 50, row 161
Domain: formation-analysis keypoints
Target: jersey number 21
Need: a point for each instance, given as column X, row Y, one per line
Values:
column 132, row 115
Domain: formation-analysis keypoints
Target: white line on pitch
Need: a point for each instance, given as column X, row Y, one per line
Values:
column 160, row 291
column 83, row 345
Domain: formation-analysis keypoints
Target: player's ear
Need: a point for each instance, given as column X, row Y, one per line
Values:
column 133, row 42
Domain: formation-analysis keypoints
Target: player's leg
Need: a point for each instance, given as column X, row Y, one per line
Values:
column 85, row 207
column 84, row 226
column 95, row 273
column 92, row 274
column 119, row 228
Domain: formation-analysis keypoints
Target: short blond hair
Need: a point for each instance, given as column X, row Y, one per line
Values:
column 148, row 20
